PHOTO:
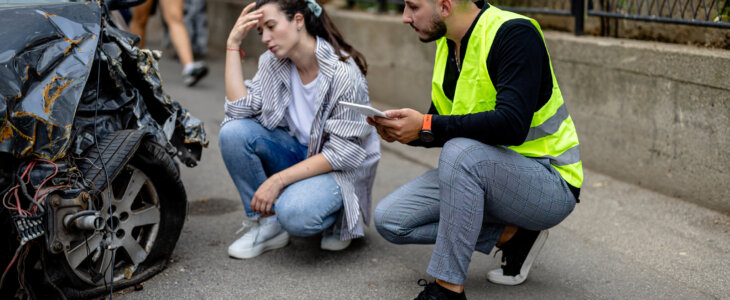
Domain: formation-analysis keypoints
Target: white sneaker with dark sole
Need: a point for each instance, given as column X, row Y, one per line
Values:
column 518, row 254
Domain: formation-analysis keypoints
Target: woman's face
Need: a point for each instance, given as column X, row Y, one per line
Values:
column 279, row 34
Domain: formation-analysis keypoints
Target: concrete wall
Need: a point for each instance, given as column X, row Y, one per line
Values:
column 222, row 14
column 650, row 113
column 653, row 114
column 399, row 65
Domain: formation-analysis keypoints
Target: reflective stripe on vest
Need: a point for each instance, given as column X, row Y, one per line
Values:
column 552, row 134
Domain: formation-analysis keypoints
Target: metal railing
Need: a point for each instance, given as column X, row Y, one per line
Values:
column 550, row 7
column 574, row 8
column 712, row 13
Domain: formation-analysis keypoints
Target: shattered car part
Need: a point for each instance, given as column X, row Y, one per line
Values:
column 90, row 192
column 42, row 76
column 46, row 101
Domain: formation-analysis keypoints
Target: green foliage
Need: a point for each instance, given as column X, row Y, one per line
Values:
column 724, row 13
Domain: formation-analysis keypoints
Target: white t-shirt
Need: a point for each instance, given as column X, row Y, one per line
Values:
column 301, row 107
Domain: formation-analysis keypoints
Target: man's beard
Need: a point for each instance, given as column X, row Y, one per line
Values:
column 438, row 29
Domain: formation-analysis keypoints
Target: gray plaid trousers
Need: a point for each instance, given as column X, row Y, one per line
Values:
column 465, row 204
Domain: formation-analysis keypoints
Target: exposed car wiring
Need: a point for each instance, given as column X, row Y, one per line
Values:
column 48, row 279
column 40, row 195
column 88, row 252
column 21, row 265
column 103, row 164
column 12, row 201
column 10, row 265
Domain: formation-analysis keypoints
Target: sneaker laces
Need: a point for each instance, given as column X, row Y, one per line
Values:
column 427, row 290
column 508, row 260
column 431, row 291
column 504, row 262
column 515, row 251
column 504, row 256
column 246, row 224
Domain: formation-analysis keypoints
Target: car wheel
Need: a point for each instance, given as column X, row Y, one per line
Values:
column 143, row 211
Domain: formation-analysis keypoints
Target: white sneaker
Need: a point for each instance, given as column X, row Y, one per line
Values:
column 331, row 239
column 518, row 254
column 265, row 234
column 193, row 72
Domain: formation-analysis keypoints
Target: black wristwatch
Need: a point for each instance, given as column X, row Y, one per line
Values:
column 425, row 135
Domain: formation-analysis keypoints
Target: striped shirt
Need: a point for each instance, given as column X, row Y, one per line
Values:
column 348, row 143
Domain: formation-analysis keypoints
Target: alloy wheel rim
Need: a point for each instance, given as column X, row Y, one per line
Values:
column 131, row 225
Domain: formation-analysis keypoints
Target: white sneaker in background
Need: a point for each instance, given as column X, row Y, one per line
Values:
column 265, row 234
column 193, row 72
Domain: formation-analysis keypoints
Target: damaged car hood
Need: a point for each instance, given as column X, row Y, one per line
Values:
column 44, row 65
column 61, row 88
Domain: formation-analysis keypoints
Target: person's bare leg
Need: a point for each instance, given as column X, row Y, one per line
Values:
column 138, row 24
column 172, row 12
column 450, row 286
column 509, row 231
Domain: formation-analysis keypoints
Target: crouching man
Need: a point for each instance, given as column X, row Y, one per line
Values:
column 510, row 166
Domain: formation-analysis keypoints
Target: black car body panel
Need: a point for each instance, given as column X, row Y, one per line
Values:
column 48, row 109
column 44, row 66
column 80, row 104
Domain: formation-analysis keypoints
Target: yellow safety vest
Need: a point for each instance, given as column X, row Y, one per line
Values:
column 552, row 133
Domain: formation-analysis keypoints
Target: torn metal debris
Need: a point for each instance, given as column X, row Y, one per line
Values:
column 51, row 95
column 92, row 198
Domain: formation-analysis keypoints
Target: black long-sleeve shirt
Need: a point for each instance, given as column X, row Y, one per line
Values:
column 519, row 67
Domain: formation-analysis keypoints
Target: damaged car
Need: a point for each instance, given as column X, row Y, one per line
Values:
column 92, row 199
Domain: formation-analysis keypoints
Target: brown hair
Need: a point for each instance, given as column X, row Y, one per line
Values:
column 321, row 26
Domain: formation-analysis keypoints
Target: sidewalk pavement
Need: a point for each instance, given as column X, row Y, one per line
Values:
column 622, row 241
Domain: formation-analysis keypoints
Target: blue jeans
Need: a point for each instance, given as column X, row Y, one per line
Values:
column 464, row 205
column 252, row 153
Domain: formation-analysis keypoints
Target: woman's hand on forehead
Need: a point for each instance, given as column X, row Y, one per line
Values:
column 246, row 21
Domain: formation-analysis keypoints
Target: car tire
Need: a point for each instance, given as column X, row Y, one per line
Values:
column 161, row 190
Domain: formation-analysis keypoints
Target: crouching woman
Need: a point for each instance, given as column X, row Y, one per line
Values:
column 302, row 164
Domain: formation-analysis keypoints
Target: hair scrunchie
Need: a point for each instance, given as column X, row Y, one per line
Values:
column 314, row 7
